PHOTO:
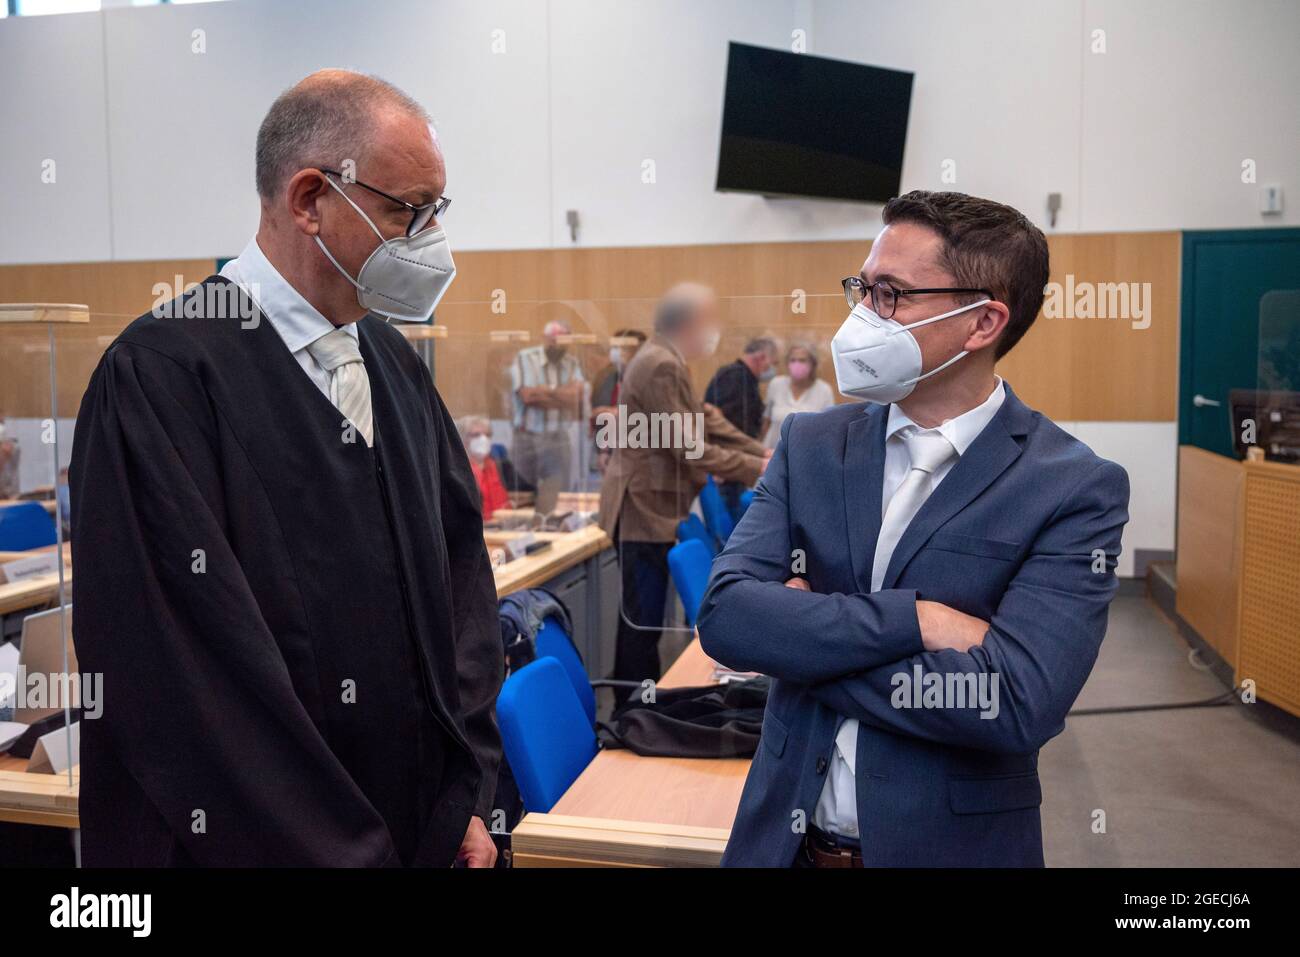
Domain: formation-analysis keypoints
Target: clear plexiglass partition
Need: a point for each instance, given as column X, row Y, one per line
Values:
column 539, row 398
column 48, row 350
column 538, row 393
column 1271, row 421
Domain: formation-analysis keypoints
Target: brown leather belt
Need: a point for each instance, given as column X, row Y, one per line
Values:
column 822, row 852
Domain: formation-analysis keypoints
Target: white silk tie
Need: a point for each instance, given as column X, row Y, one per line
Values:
column 926, row 451
column 340, row 355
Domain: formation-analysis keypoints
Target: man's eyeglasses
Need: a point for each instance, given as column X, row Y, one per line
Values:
column 421, row 216
column 885, row 296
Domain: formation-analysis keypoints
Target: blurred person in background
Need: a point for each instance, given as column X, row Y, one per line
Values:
column 9, row 455
column 604, row 394
column 476, row 434
column 734, row 391
column 799, row 390
column 647, row 491
column 549, row 392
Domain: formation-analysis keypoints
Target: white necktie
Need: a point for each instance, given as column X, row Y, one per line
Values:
column 927, row 451
column 340, row 355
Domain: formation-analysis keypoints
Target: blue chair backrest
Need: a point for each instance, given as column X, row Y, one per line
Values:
column 692, row 528
column 26, row 525
column 553, row 642
column 546, row 735
column 690, row 562
column 742, row 506
column 716, row 516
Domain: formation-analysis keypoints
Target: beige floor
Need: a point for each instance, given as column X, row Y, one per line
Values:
column 1207, row 787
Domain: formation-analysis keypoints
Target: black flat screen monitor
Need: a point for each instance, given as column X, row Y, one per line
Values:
column 801, row 125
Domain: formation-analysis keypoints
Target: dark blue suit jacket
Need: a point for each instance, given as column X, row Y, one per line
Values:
column 1024, row 532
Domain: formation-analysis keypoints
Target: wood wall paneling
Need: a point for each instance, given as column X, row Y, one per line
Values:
column 1071, row 369
column 1209, row 546
column 116, row 292
column 1269, row 637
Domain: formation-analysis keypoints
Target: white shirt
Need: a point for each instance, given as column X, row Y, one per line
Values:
column 297, row 321
column 837, row 808
column 781, row 402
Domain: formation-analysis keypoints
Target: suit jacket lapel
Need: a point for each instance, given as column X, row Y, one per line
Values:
column 864, row 469
column 988, row 457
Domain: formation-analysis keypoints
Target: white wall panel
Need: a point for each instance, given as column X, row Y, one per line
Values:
column 1185, row 92
column 996, row 96
column 52, row 110
column 640, row 80
column 184, row 124
column 1148, row 451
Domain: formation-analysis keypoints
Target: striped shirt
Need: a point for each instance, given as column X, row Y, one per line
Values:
column 530, row 369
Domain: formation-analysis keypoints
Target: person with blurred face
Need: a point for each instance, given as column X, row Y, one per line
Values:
column 647, row 491
column 549, row 393
column 734, row 391
column 799, row 390
column 281, row 570
column 9, row 457
column 605, row 393
column 925, row 576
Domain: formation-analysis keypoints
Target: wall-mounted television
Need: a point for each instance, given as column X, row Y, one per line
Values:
column 801, row 125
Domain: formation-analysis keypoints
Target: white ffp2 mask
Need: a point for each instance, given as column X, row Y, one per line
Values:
column 404, row 278
column 480, row 446
column 879, row 359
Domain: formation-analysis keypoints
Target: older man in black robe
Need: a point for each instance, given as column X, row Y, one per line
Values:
column 280, row 567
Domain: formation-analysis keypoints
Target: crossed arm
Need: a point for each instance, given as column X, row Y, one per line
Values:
column 847, row 649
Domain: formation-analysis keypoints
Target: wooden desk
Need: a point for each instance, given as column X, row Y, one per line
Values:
column 567, row 549
column 37, row 798
column 1239, row 567
column 631, row 811
column 33, row 592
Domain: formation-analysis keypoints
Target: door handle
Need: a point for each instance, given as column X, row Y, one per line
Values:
column 1199, row 400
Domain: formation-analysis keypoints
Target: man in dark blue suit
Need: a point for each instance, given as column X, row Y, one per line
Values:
column 926, row 577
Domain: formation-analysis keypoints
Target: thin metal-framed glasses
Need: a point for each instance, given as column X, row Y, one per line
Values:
column 421, row 216
column 885, row 296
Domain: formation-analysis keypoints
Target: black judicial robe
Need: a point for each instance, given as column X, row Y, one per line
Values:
column 297, row 634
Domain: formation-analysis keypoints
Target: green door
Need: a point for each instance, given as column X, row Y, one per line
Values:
column 1226, row 276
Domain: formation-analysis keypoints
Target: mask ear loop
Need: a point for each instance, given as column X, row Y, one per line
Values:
column 361, row 213
column 926, row 322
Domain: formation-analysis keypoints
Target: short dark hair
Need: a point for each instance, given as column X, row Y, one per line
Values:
column 986, row 245
column 636, row 334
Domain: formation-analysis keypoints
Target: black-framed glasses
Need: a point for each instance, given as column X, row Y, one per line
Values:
column 421, row 216
column 885, row 296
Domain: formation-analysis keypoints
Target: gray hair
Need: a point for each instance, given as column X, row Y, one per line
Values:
column 466, row 423
column 678, row 305
column 761, row 344
column 325, row 119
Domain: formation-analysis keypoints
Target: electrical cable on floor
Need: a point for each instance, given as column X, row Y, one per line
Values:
column 1217, row 701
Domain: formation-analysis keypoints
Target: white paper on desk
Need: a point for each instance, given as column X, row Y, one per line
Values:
column 23, row 569
column 51, row 752
column 8, row 680
column 10, row 731
column 518, row 547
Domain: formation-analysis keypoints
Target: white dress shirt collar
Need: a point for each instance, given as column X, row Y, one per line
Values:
column 298, row 322
column 960, row 431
